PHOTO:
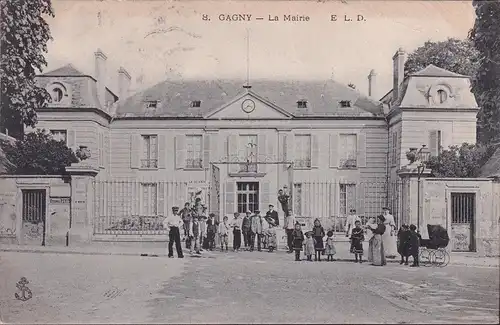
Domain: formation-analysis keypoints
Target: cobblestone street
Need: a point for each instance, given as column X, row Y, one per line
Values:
column 241, row 288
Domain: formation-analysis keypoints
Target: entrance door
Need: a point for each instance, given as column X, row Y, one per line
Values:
column 34, row 210
column 248, row 196
column 463, row 208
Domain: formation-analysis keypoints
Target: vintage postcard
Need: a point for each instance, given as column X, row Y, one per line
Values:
column 249, row 161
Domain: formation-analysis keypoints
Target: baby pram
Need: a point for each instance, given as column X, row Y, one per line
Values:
column 433, row 250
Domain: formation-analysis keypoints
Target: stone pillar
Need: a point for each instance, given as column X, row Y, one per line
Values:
column 411, row 203
column 82, row 203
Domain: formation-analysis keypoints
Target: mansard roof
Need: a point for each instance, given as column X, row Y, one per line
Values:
column 175, row 97
column 492, row 166
column 65, row 71
column 432, row 71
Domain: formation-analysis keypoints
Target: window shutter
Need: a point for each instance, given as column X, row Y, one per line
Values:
column 135, row 150
column 282, row 150
column 72, row 139
column 361, row 138
column 161, row 151
column 180, row 152
column 261, row 152
column 314, row 151
column 230, row 197
column 106, row 151
column 433, row 142
column 161, row 198
column 334, row 150
column 101, row 149
column 232, row 153
column 290, row 147
column 360, row 199
column 265, row 198
column 334, row 198
column 206, row 151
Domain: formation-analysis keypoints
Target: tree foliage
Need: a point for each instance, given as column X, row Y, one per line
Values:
column 455, row 55
column 485, row 36
column 460, row 161
column 23, row 42
column 38, row 154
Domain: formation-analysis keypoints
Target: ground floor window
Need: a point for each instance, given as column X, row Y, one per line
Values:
column 248, row 196
column 347, row 198
column 149, row 199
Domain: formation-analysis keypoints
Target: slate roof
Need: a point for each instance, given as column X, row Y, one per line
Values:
column 175, row 97
column 432, row 71
column 67, row 70
column 492, row 166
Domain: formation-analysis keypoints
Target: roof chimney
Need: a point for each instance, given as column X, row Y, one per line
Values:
column 123, row 83
column 372, row 83
column 100, row 75
column 398, row 61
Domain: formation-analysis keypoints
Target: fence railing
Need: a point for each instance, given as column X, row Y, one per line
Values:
column 137, row 207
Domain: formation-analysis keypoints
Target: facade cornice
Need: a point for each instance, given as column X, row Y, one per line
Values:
column 76, row 109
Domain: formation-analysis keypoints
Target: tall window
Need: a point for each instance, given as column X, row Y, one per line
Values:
column 442, row 96
column 149, row 199
column 394, row 148
column 248, row 196
column 347, row 198
column 302, row 151
column 59, row 135
column 248, row 153
column 194, row 151
column 149, row 153
column 348, row 150
column 297, row 199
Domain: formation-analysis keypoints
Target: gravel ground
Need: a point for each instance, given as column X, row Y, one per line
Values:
column 241, row 287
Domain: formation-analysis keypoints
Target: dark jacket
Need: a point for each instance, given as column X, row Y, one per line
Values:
column 414, row 243
column 403, row 242
column 379, row 230
column 273, row 215
column 318, row 231
column 245, row 224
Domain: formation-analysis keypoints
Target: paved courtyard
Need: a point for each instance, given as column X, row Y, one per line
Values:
column 241, row 288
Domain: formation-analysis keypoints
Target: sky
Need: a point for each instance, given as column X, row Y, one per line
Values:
column 159, row 40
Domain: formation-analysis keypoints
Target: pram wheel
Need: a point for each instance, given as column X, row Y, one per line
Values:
column 441, row 257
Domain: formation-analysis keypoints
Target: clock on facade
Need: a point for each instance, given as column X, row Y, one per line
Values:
column 248, row 106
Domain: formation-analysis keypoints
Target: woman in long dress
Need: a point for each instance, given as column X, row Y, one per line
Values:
column 378, row 253
column 389, row 236
column 370, row 226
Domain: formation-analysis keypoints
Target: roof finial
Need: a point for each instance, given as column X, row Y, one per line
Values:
column 247, row 86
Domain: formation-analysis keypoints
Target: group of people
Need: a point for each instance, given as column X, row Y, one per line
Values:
column 202, row 232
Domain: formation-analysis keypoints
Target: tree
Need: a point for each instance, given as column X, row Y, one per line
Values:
column 485, row 36
column 38, row 154
column 460, row 161
column 455, row 55
column 23, row 42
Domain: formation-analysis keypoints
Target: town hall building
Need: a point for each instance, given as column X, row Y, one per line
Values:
column 333, row 148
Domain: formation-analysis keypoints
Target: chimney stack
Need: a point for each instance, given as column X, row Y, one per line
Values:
column 372, row 83
column 123, row 83
column 398, row 61
column 100, row 75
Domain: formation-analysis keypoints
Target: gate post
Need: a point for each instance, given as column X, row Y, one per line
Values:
column 412, row 196
column 81, row 209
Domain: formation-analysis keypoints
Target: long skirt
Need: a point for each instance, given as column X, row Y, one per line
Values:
column 378, row 253
column 318, row 243
column 356, row 246
column 390, row 245
column 370, row 250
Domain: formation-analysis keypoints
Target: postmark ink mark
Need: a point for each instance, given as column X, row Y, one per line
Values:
column 25, row 292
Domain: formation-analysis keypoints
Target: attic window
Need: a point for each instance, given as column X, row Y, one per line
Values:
column 151, row 104
column 196, row 103
column 302, row 104
column 345, row 103
column 442, row 96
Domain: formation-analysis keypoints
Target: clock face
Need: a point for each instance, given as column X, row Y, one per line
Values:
column 248, row 106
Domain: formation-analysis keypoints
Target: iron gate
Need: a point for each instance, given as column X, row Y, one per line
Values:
column 34, row 216
column 463, row 206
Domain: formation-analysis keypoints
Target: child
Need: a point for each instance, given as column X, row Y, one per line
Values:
column 297, row 240
column 403, row 243
column 414, row 245
column 194, row 235
column 216, row 237
column 271, row 237
column 203, row 229
column 357, row 237
column 318, row 233
column 309, row 246
column 224, row 234
column 210, row 241
column 330, row 248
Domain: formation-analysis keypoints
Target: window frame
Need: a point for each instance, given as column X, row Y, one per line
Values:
column 193, row 166
column 308, row 164
column 146, row 162
column 247, row 192
column 54, row 131
column 342, row 154
column 150, row 185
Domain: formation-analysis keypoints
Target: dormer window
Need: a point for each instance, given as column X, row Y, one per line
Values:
column 196, row 103
column 442, row 96
column 58, row 93
column 151, row 104
column 345, row 103
column 302, row 104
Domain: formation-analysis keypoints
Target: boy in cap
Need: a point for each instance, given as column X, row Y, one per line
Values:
column 173, row 223
column 245, row 228
column 272, row 214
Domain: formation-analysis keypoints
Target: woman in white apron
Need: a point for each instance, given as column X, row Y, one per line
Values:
column 389, row 237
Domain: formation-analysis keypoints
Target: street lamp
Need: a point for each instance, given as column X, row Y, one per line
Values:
column 422, row 157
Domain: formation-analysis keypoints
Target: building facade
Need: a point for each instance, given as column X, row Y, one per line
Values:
column 332, row 147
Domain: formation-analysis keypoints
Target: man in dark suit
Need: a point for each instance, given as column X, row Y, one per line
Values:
column 272, row 214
